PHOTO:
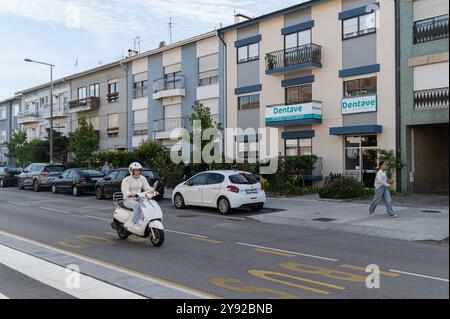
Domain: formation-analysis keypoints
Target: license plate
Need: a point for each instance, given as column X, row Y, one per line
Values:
column 251, row 191
column 95, row 179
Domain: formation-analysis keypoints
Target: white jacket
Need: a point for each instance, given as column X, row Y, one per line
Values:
column 132, row 185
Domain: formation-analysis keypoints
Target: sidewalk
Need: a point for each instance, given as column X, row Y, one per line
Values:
column 310, row 211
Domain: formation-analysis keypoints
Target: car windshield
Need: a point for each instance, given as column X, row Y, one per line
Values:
column 149, row 174
column 14, row 170
column 52, row 169
column 90, row 172
column 243, row 178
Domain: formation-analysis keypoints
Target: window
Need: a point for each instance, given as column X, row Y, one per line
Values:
column 215, row 178
column 140, row 85
column 299, row 94
column 297, row 39
column 358, row 87
column 208, row 70
column 113, row 125
column 94, row 90
column 248, row 53
column 248, row 102
column 3, row 136
column 113, row 92
column 358, row 26
column 82, row 93
column 243, row 179
column 16, row 110
column 3, row 113
column 248, row 150
column 198, row 180
column 298, row 147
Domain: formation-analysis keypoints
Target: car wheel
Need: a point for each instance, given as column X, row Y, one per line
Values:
column 179, row 201
column 224, row 206
column 36, row 187
column 98, row 193
column 54, row 189
column 76, row 192
column 20, row 185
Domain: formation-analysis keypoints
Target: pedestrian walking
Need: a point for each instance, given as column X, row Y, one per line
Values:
column 106, row 168
column 382, row 192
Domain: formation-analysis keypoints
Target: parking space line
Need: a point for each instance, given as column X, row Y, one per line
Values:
column 56, row 210
column 418, row 275
column 20, row 204
column 287, row 251
column 211, row 241
column 384, row 273
column 273, row 252
column 183, row 233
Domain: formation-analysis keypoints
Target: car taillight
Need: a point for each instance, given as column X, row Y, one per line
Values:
column 233, row 189
column 43, row 173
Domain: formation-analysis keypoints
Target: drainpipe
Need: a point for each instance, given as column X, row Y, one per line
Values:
column 398, row 92
column 125, row 68
column 225, row 79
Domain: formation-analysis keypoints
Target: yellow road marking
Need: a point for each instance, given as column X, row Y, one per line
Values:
column 226, row 284
column 206, row 240
column 95, row 239
column 108, row 264
column 384, row 273
column 273, row 252
column 79, row 216
column 71, row 243
column 265, row 274
column 326, row 272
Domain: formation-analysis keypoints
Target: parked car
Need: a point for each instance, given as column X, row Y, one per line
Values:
column 225, row 190
column 39, row 176
column 77, row 181
column 112, row 183
column 9, row 176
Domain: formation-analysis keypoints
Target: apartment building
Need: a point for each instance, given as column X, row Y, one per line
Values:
column 424, row 85
column 9, row 109
column 164, row 85
column 100, row 96
column 34, row 114
column 323, row 74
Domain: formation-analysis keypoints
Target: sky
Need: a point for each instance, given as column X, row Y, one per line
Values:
column 77, row 35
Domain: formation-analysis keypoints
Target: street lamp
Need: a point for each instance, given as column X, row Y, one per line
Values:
column 51, row 103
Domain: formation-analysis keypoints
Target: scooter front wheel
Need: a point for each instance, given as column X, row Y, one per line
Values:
column 157, row 237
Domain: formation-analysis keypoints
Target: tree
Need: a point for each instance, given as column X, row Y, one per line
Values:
column 18, row 147
column 83, row 143
column 394, row 163
column 203, row 115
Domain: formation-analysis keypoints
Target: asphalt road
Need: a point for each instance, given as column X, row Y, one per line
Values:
column 229, row 256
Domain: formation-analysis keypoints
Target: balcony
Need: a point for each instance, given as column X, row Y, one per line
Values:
column 163, row 127
column 28, row 117
column 140, row 129
column 88, row 104
column 430, row 29
column 304, row 57
column 58, row 111
column 294, row 114
column 432, row 99
column 112, row 97
column 169, row 87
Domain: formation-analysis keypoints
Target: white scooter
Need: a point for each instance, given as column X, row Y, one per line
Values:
column 150, row 222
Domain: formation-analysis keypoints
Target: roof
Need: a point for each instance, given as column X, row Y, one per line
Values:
column 293, row 8
column 9, row 99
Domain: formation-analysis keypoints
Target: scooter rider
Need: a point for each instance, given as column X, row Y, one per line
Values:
column 131, row 186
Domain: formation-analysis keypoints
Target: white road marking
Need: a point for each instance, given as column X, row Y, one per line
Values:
column 418, row 275
column 182, row 233
column 99, row 218
column 56, row 210
column 56, row 276
column 287, row 251
column 20, row 204
column 3, row 296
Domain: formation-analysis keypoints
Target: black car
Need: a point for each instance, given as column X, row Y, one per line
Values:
column 9, row 176
column 39, row 175
column 112, row 183
column 77, row 181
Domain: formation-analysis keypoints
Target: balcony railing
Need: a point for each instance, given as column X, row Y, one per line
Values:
column 28, row 117
column 140, row 129
column 167, row 125
column 168, row 83
column 430, row 29
column 432, row 99
column 112, row 97
column 58, row 111
column 208, row 81
column 87, row 104
column 302, row 55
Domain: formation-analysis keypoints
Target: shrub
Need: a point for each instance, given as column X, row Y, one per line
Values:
column 343, row 187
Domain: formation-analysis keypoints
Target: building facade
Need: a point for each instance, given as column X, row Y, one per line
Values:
column 164, row 84
column 323, row 74
column 9, row 110
column 34, row 114
column 424, row 86
column 100, row 96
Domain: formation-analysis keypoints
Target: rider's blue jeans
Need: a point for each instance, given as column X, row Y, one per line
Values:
column 136, row 206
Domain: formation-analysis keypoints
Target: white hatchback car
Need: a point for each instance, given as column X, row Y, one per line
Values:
column 225, row 190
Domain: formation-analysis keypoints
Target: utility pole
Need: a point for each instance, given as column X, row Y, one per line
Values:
column 170, row 29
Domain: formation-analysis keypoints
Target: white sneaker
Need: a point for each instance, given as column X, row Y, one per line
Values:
column 394, row 216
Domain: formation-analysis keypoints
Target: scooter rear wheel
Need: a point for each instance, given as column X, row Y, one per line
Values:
column 123, row 234
column 159, row 237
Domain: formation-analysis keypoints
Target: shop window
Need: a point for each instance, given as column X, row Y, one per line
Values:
column 361, row 158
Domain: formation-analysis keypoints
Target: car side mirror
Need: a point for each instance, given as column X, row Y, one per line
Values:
column 25, row 171
column 60, row 176
column 188, row 183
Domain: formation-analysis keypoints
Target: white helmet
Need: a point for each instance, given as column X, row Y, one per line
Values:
column 134, row 166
